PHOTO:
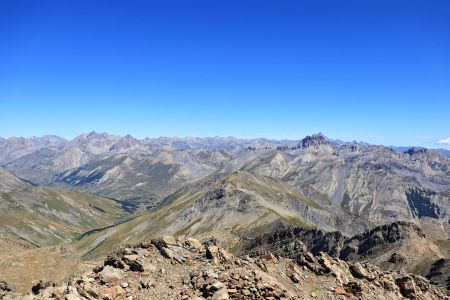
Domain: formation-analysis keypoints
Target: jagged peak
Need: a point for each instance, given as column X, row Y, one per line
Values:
column 314, row 140
column 94, row 134
column 416, row 151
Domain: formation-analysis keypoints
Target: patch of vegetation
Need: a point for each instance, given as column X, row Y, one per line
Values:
column 298, row 222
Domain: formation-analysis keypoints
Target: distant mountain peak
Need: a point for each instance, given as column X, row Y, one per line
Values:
column 314, row 140
column 416, row 151
column 91, row 134
column 94, row 134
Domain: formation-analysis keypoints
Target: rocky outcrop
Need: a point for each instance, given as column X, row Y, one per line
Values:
column 314, row 140
column 188, row 269
column 362, row 244
column 283, row 241
column 5, row 289
column 416, row 151
column 396, row 258
column 287, row 241
column 439, row 273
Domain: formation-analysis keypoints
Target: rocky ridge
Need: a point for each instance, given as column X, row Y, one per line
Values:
column 168, row 268
column 333, row 243
column 391, row 246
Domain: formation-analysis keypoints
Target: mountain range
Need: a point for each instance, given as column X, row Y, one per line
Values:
column 99, row 191
column 374, row 183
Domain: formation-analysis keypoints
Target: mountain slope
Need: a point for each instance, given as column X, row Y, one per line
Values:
column 9, row 182
column 138, row 181
column 373, row 182
column 46, row 216
column 232, row 205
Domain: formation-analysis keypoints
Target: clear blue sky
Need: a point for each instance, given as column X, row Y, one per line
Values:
column 377, row 71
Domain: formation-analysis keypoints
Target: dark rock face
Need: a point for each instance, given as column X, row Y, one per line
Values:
column 420, row 204
column 416, row 151
column 314, row 141
column 287, row 241
column 307, row 247
column 362, row 244
column 439, row 273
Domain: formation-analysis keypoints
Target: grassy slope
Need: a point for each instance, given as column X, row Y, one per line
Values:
column 45, row 216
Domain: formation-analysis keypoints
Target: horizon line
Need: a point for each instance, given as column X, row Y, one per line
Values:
column 438, row 146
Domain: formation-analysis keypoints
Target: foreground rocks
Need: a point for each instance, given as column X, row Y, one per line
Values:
column 168, row 268
column 5, row 289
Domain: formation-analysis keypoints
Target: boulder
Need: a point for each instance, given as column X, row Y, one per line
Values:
column 216, row 286
column 114, row 261
column 169, row 240
column 166, row 241
column 145, row 283
column 221, row 294
column 113, row 293
column 325, row 261
column 134, row 263
column 71, row 297
column 359, row 271
column 39, row 286
column 407, row 286
column 211, row 251
column 269, row 262
column 110, row 274
column 194, row 243
column 293, row 273
column 167, row 252
column 340, row 290
column 92, row 290
column 225, row 256
column 396, row 258
column 353, row 288
column 5, row 287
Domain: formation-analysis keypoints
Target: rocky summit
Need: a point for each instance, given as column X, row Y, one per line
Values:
column 169, row 268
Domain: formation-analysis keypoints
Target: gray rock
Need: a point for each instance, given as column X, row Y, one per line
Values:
column 110, row 274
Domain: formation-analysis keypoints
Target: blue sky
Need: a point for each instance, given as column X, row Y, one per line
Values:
column 377, row 71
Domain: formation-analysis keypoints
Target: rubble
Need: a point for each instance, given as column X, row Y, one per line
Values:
column 170, row 268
